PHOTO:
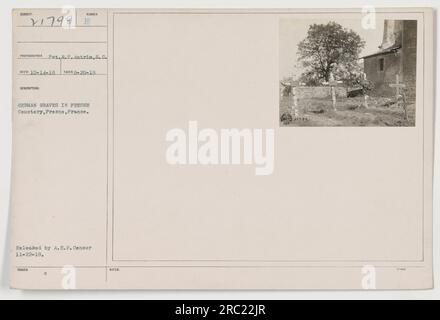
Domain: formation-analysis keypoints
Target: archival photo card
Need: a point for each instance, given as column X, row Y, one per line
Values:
column 348, row 72
column 222, row 149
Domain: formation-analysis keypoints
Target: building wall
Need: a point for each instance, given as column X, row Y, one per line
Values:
column 382, row 79
column 402, row 63
column 409, row 52
column 392, row 33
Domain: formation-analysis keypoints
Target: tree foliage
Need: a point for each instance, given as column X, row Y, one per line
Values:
column 329, row 48
column 357, row 79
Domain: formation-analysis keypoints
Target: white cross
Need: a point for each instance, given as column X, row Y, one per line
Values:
column 333, row 83
column 399, row 97
column 397, row 85
column 364, row 75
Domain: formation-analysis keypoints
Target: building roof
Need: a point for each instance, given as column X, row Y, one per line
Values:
column 389, row 50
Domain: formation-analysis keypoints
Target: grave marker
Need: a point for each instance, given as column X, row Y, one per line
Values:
column 290, row 90
column 333, row 84
column 400, row 98
column 365, row 94
column 398, row 85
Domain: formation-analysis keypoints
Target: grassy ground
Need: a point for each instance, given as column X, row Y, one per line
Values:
column 381, row 112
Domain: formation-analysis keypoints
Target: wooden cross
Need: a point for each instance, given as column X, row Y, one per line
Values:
column 291, row 89
column 364, row 76
column 333, row 84
column 294, row 95
column 398, row 85
column 400, row 97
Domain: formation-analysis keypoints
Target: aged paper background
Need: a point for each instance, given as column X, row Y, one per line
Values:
column 339, row 198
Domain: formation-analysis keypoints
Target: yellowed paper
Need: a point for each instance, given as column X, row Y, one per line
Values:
column 208, row 149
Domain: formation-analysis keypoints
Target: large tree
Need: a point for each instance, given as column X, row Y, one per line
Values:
column 329, row 48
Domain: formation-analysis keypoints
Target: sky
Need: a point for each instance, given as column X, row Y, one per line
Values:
column 293, row 30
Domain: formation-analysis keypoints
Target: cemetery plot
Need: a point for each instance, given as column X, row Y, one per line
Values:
column 350, row 112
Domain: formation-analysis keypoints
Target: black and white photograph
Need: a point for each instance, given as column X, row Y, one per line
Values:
column 343, row 73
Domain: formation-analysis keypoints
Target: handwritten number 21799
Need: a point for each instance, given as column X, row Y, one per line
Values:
column 60, row 21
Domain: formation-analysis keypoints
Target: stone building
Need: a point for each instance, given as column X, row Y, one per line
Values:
column 397, row 55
